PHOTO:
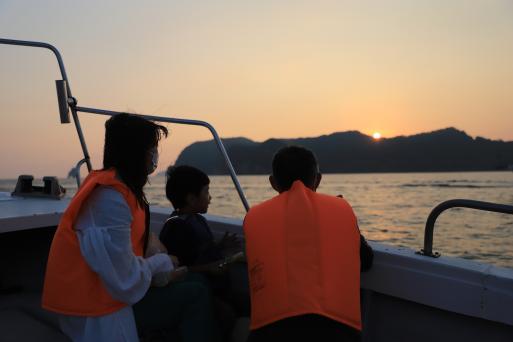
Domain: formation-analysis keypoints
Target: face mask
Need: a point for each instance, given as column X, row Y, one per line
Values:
column 154, row 160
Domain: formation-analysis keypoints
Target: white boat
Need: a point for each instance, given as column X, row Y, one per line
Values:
column 407, row 296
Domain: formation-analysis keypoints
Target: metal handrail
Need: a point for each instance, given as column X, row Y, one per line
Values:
column 205, row 124
column 456, row 203
column 64, row 77
column 76, row 170
column 74, row 109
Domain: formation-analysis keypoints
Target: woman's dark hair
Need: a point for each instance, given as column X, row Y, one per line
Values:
column 128, row 140
column 293, row 163
column 183, row 180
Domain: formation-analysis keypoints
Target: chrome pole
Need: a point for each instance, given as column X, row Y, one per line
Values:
column 75, row 109
column 205, row 124
column 64, row 77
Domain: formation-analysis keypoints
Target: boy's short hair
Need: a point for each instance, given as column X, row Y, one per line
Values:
column 293, row 163
column 183, row 180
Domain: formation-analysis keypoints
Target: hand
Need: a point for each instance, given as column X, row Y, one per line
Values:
column 178, row 274
column 174, row 260
column 237, row 257
column 154, row 246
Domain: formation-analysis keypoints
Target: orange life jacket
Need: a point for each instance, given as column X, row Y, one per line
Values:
column 71, row 287
column 303, row 254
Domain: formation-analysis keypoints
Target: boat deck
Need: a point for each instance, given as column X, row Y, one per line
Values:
column 17, row 213
column 404, row 297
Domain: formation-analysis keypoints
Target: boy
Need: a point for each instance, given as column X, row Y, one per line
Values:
column 187, row 236
column 304, row 252
column 186, row 233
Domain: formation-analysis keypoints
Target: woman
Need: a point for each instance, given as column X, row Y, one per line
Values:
column 97, row 268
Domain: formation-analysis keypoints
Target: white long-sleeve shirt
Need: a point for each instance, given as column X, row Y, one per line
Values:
column 103, row 230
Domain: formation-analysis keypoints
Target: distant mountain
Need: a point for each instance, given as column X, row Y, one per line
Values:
column 447, row 149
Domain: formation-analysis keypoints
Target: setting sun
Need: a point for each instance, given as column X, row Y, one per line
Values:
column 376, row 135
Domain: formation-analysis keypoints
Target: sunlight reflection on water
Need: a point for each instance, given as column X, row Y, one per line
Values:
column 391, row 208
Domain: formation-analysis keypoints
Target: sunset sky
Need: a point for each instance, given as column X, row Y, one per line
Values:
column 258, row 69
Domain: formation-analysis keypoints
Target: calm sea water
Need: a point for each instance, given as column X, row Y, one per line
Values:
column 391, row 208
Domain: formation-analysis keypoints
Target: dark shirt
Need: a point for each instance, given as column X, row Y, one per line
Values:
column 189, row 238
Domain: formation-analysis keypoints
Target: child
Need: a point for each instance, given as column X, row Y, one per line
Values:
column 186, row 233
column 304, row 253
column 187, row 236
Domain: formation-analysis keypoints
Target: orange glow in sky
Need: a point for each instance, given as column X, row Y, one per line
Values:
column 259, row 69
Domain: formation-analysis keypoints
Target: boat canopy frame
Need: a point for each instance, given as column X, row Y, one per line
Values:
column 68, row 103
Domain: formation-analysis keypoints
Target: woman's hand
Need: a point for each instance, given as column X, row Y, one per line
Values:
column 164, row 279
column 174, row 260
column 178, row 274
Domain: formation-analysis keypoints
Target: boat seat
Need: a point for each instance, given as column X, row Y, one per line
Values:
column 18, row 325
column 23, row 319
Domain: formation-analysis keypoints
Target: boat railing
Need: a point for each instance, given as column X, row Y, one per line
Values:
column 205, row 124
column 76, row 171
column 67, row 102
column 456, row 203
column 64, row 82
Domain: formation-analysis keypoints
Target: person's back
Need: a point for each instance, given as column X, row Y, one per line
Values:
column 303, row 251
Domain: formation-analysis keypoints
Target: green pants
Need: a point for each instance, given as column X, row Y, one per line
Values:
column 180, row 309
